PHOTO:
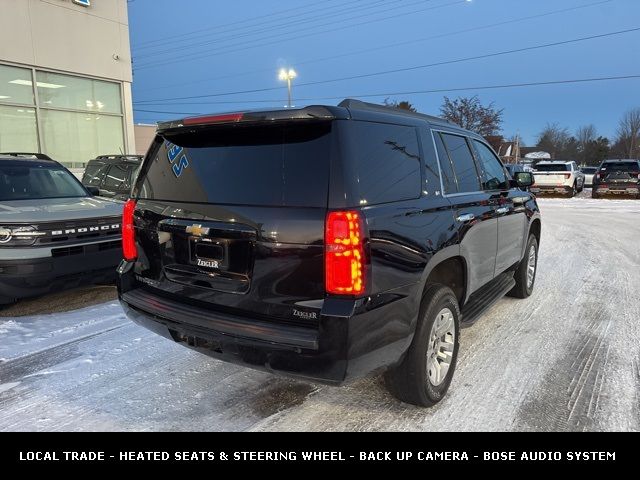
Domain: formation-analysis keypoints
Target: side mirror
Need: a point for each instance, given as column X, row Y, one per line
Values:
column 94, row 191
column 524, row 179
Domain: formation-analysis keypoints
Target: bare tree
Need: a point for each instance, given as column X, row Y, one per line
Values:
column 553, row 139
column 586, row 136
column 469, row 113
column 629, row 132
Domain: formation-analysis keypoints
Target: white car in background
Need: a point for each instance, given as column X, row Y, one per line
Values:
column 557, row 176
column 589, row 172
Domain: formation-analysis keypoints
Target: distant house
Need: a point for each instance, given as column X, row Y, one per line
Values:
column 510, row 152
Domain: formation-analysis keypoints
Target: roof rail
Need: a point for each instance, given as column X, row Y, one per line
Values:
column 38, row 156
column 360, row 105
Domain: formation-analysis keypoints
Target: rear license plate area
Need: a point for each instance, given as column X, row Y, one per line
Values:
column 208, row 254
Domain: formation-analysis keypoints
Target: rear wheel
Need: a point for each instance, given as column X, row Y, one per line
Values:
column 525, row 274
column 594, row 194
column 425, row 374
column 573, row 191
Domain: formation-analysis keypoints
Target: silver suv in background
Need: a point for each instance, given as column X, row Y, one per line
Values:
column 589, row 172
column 558, row 176
column 53, row 233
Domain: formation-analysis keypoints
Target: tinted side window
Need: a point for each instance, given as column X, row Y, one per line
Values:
column 94, row 174
column 448, row 177
column 493, row 176
column 118, row 175
column 386, row 162
column 463, row 163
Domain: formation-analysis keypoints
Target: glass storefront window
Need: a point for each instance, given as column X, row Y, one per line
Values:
column 15, row 85
column 75, row 138
column 72, row 138
column 18, row 130
column 65, row 91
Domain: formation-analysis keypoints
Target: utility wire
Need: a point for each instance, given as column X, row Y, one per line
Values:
column 225, row 37
column 261, row 43
column 405, row 69
column 417, row 92
column 392, row 45
column 168, row 39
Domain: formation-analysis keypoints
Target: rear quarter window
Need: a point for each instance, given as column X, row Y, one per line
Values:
column 382, row 161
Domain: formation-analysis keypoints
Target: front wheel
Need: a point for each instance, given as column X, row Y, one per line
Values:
column 425, row 374
column 525, row 274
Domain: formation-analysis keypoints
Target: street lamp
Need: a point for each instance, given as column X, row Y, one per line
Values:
column 287, row 75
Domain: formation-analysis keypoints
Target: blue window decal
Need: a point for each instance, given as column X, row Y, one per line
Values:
column 173, row 151
column 179, row 167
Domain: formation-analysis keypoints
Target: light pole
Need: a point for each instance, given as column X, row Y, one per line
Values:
column 288, row 75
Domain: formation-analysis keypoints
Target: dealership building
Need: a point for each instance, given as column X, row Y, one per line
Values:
column 65, row 79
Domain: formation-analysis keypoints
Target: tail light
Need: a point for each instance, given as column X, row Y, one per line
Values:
column 129, row 250
column 567, row 175
column 344, row 253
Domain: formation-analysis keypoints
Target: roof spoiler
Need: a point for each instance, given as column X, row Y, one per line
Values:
column 254, row 116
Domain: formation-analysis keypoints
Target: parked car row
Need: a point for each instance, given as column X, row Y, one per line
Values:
column 612, row 177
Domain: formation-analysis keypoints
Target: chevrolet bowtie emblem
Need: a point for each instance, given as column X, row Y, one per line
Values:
column 197, row 230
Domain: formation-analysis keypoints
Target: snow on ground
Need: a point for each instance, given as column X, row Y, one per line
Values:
column 25, row 336
column 567, row 358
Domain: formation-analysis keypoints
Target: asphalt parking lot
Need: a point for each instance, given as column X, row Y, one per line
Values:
column 567, row 358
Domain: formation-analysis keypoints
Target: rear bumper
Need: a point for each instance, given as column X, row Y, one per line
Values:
column 542, row 189
column 353, row 337
column 38, row 276
column 620, row 189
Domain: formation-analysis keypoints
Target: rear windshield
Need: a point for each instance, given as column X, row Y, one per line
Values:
column 29, row 181
column 244, row 165
column 553, row 167
column 619, row 167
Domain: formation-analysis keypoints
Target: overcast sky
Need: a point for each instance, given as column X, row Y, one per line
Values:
column 210, row 49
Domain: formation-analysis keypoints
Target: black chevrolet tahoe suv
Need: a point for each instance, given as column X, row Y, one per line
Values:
column 112, row 175
column 54, row 233
column 326, row 242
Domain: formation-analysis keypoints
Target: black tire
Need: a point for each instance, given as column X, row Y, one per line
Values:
column 594, row 194
column 409, row 381
column 574, row 190
column 523, row 287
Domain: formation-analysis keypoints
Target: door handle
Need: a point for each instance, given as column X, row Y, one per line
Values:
column 466, row 217
column 502, row 210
